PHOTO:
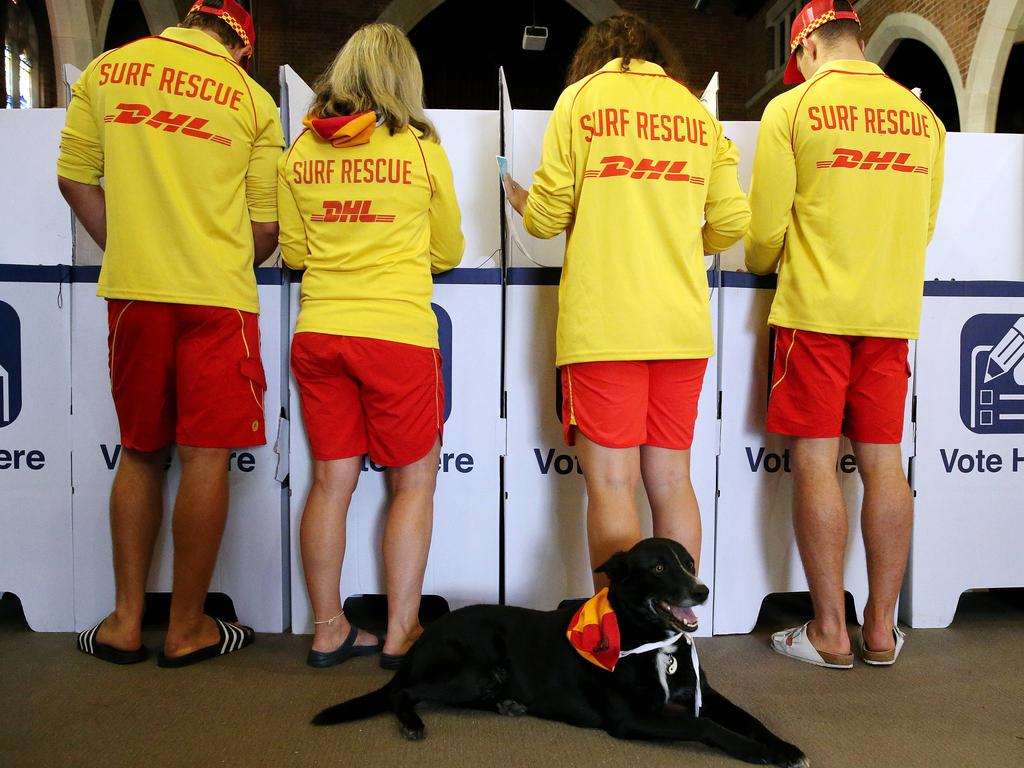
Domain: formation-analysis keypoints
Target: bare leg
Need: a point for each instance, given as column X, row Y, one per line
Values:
column 200, row 512
column 407, row 534
column 886, row 521
column 322, row 541
column 666, row 475
column 136, row 508
column 819, row 519
column 613, row 522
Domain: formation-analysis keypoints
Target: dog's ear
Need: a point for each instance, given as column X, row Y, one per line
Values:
column 615, row 566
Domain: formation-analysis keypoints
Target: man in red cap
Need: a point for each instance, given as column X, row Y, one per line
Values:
column 187, row 146
column 845, row 192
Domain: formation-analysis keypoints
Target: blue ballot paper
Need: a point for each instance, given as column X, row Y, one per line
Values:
column 502, row 165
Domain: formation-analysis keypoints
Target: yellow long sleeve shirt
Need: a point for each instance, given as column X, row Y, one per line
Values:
column 631, row 164
column 845, row 192
column 369, row 222
column 187, row 145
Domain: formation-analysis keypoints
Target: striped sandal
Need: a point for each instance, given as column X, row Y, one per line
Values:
column 232, row 638
column 87, row 644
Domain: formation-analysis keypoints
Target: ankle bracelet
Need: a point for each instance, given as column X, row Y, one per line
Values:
column 330, row 620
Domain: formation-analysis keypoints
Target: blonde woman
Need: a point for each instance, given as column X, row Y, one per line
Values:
column 368, row 209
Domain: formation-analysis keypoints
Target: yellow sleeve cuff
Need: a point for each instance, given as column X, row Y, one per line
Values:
column 263, row 215
column 77, row 173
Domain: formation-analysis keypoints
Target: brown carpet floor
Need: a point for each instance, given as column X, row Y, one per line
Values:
column 956, row 698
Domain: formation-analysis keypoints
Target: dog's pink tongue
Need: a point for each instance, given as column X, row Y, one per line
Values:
column 685, row 614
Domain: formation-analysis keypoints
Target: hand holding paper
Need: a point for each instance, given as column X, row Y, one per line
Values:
column 515, row 193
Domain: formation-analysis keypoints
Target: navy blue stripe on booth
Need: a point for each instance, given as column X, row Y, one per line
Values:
column 63, row 273
column 748, row 280
column 973, row 288
column 551, row 276
column 34, row 273
column 487, row 276
column 264, row 275
column 979, row 288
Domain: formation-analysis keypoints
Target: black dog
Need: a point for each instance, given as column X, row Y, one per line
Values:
column 518, row 661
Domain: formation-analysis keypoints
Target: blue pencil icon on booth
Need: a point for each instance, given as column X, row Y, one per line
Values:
column 1007, row 353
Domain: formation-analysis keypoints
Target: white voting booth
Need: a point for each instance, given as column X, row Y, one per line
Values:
column 35, row 371
column 35, row 443
column 952, row 549
column 251, row 568
column 59, row 439
column 251, row 565
column 756, row 548
column 546, row 556
column 969, row 467
column 37, row 220
column 464, row 555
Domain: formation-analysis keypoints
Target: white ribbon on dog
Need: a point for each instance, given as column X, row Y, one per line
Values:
column 657, row 646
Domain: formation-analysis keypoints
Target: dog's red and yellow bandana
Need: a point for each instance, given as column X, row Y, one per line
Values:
column 594, row 632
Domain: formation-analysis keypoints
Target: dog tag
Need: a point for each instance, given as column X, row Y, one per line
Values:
column 672, row 665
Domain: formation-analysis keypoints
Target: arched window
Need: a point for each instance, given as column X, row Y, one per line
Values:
column 127, row 23
column 26, row 68
column 21, row 55
column 1010, row 117
column 915, row 65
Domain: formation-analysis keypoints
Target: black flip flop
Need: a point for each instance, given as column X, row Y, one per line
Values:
column 87, row 644
column 232, row 639
column 347, row 650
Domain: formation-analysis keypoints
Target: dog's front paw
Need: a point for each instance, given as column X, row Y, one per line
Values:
column 511, row 708
column 413, row 734
column 787, row 756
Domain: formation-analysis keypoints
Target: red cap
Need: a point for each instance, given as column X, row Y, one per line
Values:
column 234, row 15
column 814, row 14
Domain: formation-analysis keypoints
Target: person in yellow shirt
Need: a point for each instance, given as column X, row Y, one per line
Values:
column 187, row 145
column 845, row 193
column 631, row 164
column 368, row 209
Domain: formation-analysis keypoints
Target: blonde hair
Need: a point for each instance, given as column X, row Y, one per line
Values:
column 377, row 69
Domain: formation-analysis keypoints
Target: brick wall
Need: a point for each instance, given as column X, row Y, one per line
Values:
column 306, row 36
column 958, row 20
column 299, row 33
column 709, row 41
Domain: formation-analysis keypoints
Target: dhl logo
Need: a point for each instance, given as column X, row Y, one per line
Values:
column 135, row 114
column 879, row 161
column 620, row 165
column 350, row 211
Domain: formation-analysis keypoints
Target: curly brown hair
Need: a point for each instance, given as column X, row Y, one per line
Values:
column 625, row 36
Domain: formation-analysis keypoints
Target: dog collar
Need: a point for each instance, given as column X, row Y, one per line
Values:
column 655, row 646
column 594, row 633
column 697, row 699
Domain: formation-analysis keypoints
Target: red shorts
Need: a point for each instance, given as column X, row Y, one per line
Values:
column 622, row 404
column 185, row 374
column 825, row 385
column 370, row 396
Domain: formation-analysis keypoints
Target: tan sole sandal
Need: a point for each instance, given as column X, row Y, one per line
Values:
column 883, row 658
